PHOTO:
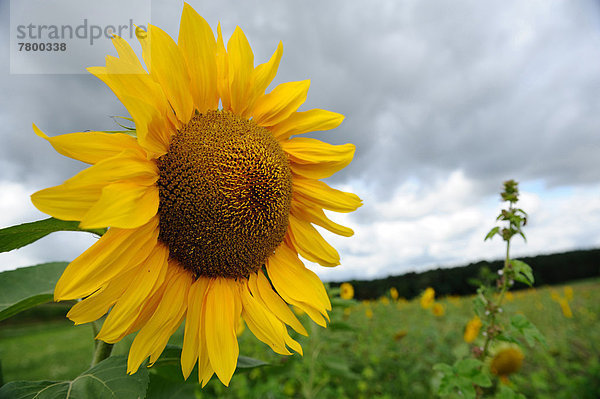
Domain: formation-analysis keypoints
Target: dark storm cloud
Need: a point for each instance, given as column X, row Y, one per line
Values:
column 498, row 90
column 495, row 89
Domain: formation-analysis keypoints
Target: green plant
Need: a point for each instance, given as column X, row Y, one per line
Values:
column 474, row 377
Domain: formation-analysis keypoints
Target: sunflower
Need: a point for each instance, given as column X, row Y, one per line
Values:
column 428, row 298
column 506, row 359
column 346, row 291
column 472, row 329
column 208, row 206
column 438, row 309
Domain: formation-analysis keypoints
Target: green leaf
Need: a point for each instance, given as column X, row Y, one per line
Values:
column 443, row 368
column 128, row 128
column 492, row 233
column 465, row 385
column 523, row 272
column 506, row 338
column 108, row 379
column 163, row 388
column 245, row 362
column 507, row 393
column 467, row 367
column 340, row 326
column 530, row 332
column 482, row 379
column 27, row 287
column 168, row 365
column 18, row 236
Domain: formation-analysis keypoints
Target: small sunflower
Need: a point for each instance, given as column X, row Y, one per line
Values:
column 438, row 309
column 428, row 298
column 506, row 359
column 210, row 197
column 346, row 291
column 568, row 290
column 400, row 334
column 394, row 293
column 566, row 308
column 472, row 329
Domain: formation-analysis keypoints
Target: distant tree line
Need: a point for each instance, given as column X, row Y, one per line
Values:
column 551, row 269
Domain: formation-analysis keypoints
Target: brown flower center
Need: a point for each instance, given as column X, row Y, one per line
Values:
column 225, row 190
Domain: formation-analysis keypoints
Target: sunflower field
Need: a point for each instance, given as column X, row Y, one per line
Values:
column 385, row 348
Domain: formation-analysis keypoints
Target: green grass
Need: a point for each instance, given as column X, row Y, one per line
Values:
column 390, row 355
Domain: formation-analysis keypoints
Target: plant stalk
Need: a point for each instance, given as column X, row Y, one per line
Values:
column 103, row 351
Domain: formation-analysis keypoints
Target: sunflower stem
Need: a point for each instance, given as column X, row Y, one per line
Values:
column 103, row 351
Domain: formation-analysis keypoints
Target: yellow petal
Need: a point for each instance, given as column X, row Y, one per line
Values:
column 263, row 324
column 205, row 369
column 191, row 337
column 197, row 43
column 128, row 165
column 261, row 288
column 310, row 244
column 90, row 147
column 223, row 72
column 153, row 132
column 153, row 337
column 279, row 104
column 316, row 216
column 307, row 121
column 125, row 205
column 153, row 300
column 222, row 312
column 241, row 68
column 132, row 85
column 168, row 67
column 114, row 253
column 293, row 344
column 74, row 198
column 295, row 283
column 317, row 193
column 67, row 202
column 96, row 305
column 263, row 76
column 315, row 159
column 150, row 272
column 127, row 55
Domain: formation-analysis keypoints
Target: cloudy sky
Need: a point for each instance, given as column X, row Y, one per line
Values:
column 444, row 100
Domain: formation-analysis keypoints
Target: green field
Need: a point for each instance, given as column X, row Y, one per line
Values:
column 389, row 355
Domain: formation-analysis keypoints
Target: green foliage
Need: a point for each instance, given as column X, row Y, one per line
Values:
column 506, row 392
column 492, row 233
column 108, row 379
column 166, row 380
column 467, row 376
column 462, row 377
column 515, row 217
column 520, row 324
column 377, row 364
column 24, row 288
column 24, row 234
column 522, row 272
